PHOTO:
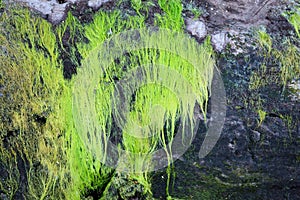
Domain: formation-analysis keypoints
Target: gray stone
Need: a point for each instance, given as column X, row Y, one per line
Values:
column 45, row 7
column 196, row 28
column 219, row 41
column 235, row 39
column 52, row 9
column 58, row 13
column 3, row 196
column 55, row 11
column 294, row 87
column 95, row 4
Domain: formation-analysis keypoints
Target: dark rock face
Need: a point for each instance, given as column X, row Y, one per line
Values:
column 250, row 160
column 240, row 13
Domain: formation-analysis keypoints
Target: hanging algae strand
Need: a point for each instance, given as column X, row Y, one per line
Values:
column 155, row 108
column 154, row 92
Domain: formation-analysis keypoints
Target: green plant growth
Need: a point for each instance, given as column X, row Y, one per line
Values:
column 102, row 27
column 265, row 41
column 1, row 6
column 137, row 5
column 258, row 78
column 289, row 63
column 73, row 29
column 287, row 57
column 150, row 100
column 294, row 19
column 290, row 123
column 194, row 10
column 153, row 105
column 172, row 17
column 37, row 122
column 32, row 84
column 262, row 115
column 141, row 7
column 36, row 117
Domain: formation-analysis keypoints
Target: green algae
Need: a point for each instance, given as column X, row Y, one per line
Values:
column 36, row 112
column 140, row 143
column 294, row 19
column 172, row 16
column 32, row 83
column 285, row 56
column 38, row 129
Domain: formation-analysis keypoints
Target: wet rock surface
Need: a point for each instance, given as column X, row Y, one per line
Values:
column 250, row 160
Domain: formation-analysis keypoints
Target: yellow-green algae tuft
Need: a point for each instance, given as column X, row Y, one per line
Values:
column 37, row 130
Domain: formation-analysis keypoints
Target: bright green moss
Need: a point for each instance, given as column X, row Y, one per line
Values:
column 156, row 108
column 137, row 5
column 36, row 115
column 37, row 122
column 172, row 17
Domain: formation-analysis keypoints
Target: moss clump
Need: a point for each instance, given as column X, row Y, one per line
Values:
column 32, row 122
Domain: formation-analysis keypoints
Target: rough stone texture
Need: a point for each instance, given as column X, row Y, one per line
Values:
column 219, row 40
column 57, row 13
column 224, row 19
column 54, row 11
column 237, row 41
column 250, row 161
column 196, row 28
column 48, row 9
column 240, row 13
column 95, row 4
column 227, row 21
column 255, row 135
